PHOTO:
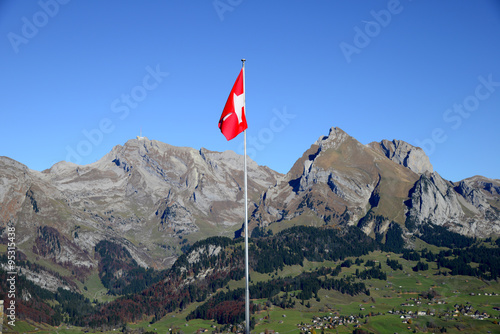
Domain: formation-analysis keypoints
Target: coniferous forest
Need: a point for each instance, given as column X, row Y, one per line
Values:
column 202, row 274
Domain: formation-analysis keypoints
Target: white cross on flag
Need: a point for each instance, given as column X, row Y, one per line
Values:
column 232, row 122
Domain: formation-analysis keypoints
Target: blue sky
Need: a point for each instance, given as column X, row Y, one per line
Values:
column 79, row 77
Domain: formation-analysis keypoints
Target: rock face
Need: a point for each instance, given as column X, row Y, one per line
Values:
column 340, row 181
column 152, row 198
column 404, row 154
column 145, row 195
column 470, row 207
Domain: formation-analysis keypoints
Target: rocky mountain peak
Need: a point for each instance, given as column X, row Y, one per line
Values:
column 146, row 195
column 152, row 198
column 479, row 191
column 7, row 162
column 338, row 180
column 334, row 139
column 404, row 154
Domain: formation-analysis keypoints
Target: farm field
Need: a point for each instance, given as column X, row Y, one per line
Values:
column 406, row 302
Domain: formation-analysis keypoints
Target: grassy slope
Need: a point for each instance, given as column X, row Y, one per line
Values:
column 401, row 286
column 395, row 180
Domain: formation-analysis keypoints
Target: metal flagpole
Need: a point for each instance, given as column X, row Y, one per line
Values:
column 247, row 293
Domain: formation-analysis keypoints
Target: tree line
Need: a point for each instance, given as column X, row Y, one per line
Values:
column 209, row 265
column 228, row 306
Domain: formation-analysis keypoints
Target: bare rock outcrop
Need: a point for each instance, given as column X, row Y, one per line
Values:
column 151, row 198
column 340, row 181
column 146, row 195
column 469, row 208
column 404, row 154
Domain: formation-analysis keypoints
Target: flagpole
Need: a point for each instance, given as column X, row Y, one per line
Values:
column 247, row 293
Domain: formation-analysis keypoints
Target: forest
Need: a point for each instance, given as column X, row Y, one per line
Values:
column 148, row 293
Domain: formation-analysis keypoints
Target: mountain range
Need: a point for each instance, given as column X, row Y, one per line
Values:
column 338, row 180
column 155, row 200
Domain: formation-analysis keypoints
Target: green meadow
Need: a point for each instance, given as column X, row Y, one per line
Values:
column 403, row 291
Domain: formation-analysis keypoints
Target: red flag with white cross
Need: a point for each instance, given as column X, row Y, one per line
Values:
column 232, row 122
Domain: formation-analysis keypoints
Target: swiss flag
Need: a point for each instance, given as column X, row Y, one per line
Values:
column 232, row 122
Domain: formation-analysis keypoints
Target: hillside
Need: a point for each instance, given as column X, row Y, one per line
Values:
column 149, row 197
column 135, row 222
column 351, row 281
column 341, row 181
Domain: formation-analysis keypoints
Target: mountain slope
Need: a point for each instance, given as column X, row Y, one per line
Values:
column 147, row 196
column 341, row 181
column 144, row 204
column 154, row 200
column 414, row 158
column 469, row 207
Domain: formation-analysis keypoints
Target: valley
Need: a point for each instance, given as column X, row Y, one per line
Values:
column 399, row 299
column 354, row 238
